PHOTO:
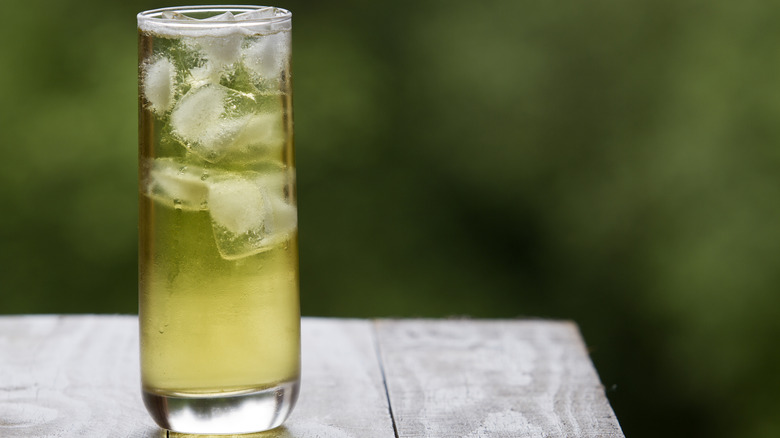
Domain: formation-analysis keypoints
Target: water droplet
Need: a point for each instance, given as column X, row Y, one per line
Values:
column 177, row 204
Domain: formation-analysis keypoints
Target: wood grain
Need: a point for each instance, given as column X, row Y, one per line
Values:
column 76, row 376
column 475, row 379
column 342, row 392
column 71, row 376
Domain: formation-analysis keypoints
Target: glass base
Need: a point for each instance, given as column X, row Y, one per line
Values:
column 246, row 412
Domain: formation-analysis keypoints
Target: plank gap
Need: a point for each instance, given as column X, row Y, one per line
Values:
column 378, row 350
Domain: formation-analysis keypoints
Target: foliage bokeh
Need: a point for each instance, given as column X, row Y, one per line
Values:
column 614, row 163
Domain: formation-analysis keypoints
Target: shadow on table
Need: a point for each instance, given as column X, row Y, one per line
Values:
column 279, row 432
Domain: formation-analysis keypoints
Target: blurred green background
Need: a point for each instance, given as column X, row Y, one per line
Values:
column 611, row 162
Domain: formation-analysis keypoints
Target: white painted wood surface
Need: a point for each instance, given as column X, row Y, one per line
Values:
column 68, row 376
column 342, row 391
column 477, row 379
column 76, row 376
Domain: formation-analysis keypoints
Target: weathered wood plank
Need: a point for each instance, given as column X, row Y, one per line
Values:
column 71, row 376
column 342, row 392
column 474, row 379
column 76, row 376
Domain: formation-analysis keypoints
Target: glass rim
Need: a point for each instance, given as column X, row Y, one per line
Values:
column 154, row 16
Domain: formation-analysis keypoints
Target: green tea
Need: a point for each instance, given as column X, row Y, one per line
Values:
column 218, row 263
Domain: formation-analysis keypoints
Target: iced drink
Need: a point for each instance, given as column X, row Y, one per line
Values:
column 218, row 263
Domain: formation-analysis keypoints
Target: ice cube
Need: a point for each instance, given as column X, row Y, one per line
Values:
column 265, row 21
column 238, row 205
column 222, row 51
column 284, row 216
column 220, row 124
column 194, row 120
column 257, row 22
column 225, row 16
column 266, row 55
column 262, row 137
column 277, row 179
column 257, row 14
column 203, row 75
column 178, row 185
column 159, row 84
column 239, row 208
column 247, row 218
column 201, row 120
column 173, row 15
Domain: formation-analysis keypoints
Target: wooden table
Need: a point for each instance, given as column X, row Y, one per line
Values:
column 77, row 376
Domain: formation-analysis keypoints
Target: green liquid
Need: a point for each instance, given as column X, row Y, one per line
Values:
column 210, row 324
column 218, row 265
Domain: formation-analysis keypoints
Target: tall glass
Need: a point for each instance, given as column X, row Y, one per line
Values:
column 218, row 263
